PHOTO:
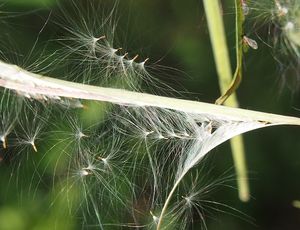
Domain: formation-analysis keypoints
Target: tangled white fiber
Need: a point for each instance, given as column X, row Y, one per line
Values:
column 130, row 168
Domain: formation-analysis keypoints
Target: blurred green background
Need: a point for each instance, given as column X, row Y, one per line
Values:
column 174, row 32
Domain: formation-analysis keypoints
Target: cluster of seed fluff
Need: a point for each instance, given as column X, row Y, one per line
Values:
column 282, row 17
column 284, row 14
column 131, row 169
column 130, row 162
column 92, row 53
column 288, row 14
column 174, row 143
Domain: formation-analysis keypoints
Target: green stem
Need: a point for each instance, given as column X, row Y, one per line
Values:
column 238, row 154
column 229, row 89
column 218, row 41
column 228, row 85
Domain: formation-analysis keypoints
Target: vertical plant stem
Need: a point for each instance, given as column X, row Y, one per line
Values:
column 240, row 165
column 228, row 84
column 229, row 89
column 218, row 40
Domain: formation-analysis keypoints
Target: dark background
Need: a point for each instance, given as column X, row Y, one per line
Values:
column 174, row 33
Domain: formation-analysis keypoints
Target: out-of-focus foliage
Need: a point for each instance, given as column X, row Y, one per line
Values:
column 30, row 3
column 175, row 33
